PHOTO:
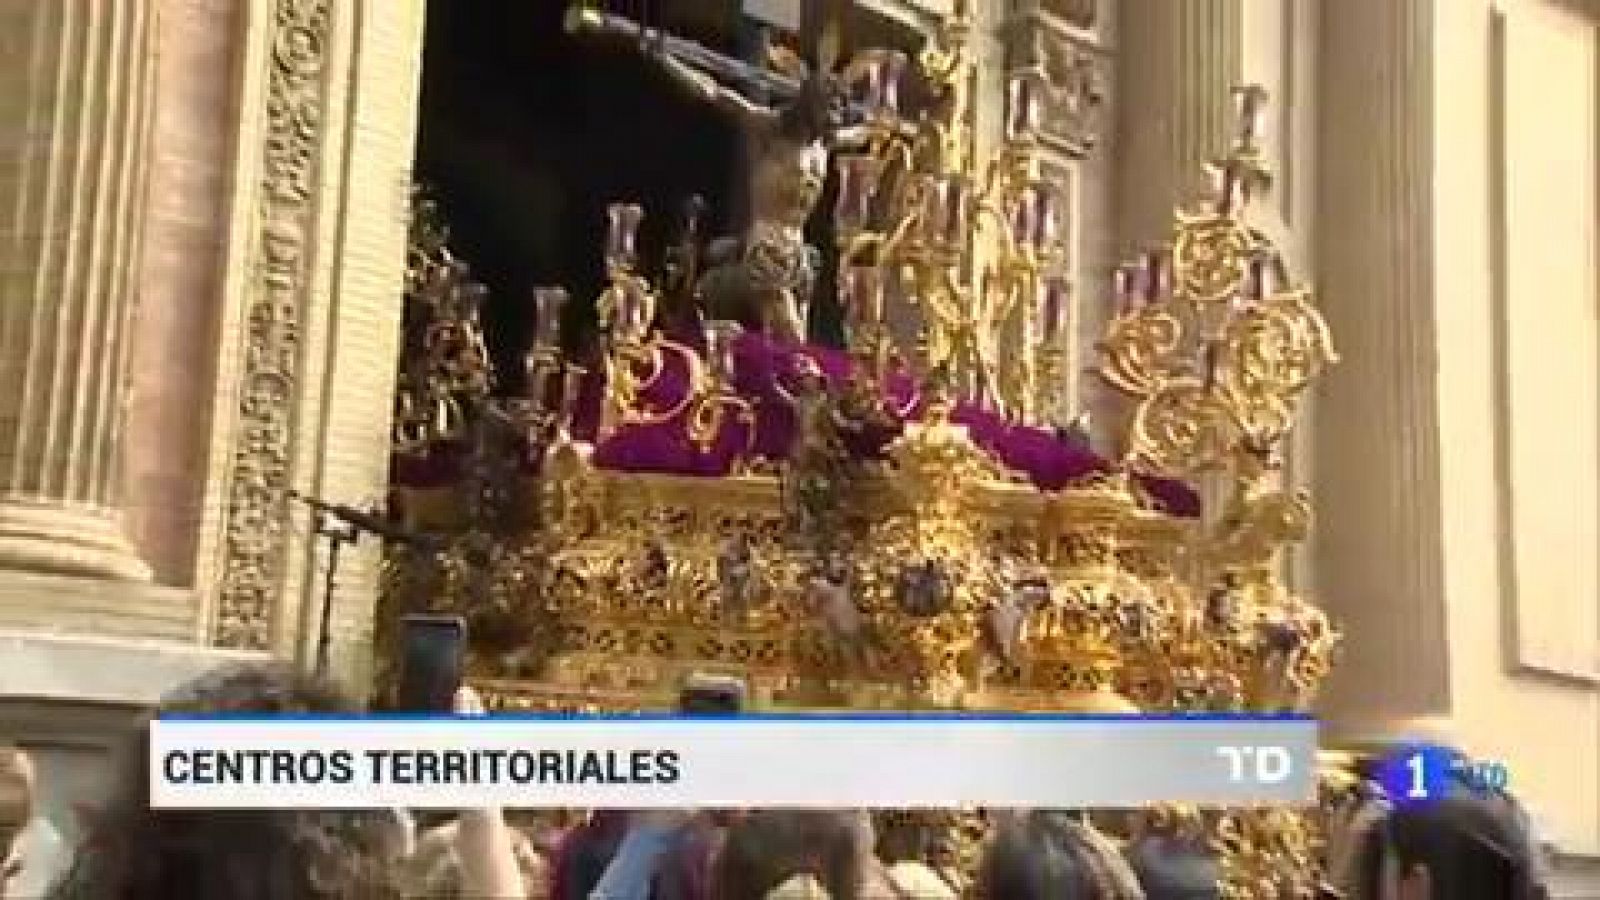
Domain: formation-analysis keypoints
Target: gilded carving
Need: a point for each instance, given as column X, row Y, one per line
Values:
column 254, row 530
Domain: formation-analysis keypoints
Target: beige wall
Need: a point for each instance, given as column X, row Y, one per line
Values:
column 1455, row 446
column 1516, row 138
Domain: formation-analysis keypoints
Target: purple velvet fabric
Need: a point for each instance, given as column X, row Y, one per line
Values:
column 761, row 365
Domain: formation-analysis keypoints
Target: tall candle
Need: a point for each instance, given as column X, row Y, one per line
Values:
column 932, row 206
column 862, row 287
column 873, row 99
column 719, row 335
column 1125, row 285
column 622, row 230
column 632, row 317
column 1259, row 282
column 1047, row 217
column 858, row 184
column 1155, row 276
column 1252, row 102
column 548, row 304
column 1022, row 107
column 571, row 388
column 1024, row 217
column 955, row 200
column 894, row 69
column 1054, row 296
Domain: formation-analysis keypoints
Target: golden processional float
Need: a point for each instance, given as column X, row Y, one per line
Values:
column 906, row 522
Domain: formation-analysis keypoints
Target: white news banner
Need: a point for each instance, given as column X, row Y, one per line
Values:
column 747, row 761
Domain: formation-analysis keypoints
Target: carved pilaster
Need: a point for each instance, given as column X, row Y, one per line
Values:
column 254, row 553
column 76, row 113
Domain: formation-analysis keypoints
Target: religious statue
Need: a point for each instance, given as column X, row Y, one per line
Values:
column 767, row 274
column 1016, row 592
column 817, row 454
column 1137, row 616
column 925, row 589
column 828, row 592
column 655, row 568
column 1224, row 604
column 737, row 577
column 1020, row 596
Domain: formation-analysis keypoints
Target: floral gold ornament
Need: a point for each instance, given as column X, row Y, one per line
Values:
column 1213, row 340
column 903, row 522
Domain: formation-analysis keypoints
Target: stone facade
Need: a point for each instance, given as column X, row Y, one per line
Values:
column 200, row 298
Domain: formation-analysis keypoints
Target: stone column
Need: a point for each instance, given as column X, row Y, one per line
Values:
column 75, row 102
column 1177, row 64
column 1379, row 551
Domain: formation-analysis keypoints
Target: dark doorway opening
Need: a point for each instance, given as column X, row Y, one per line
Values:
column 527, row 133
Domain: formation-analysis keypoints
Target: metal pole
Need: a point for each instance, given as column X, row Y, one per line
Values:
column 330, row 580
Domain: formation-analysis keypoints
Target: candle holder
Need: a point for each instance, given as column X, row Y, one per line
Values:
column 714, row 393
column 632, row 356
column 542, row 362
column 969, row 239
column 1214, row 352
column 447, row 370
column 622, row 230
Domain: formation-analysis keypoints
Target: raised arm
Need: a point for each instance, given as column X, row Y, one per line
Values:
column 582, row 19
column 712, row 91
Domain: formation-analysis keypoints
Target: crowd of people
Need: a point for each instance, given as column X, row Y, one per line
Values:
column 1471, row 846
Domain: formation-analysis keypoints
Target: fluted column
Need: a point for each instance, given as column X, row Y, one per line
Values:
column 1379, row 562
column 75, row 101
column 1177, row 64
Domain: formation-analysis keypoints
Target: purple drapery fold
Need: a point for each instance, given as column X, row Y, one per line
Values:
column 763, row 368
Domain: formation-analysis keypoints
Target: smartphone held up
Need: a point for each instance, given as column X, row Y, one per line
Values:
column 433, row 652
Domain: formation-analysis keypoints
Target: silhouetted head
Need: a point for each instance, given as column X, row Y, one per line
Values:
column 770, row 847
column 133, row 852
column 1047, row 855
column 1467, row 846
column 1174, row 869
